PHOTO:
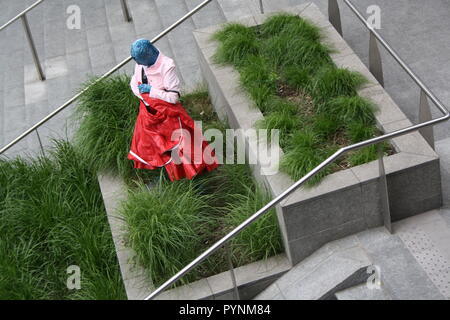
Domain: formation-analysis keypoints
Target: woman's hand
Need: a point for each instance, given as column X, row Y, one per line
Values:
column 144, row 88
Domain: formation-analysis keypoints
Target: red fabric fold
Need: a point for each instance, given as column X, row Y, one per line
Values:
column 152, row 142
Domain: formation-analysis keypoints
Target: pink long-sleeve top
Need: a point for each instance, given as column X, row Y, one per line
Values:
column 161, row 76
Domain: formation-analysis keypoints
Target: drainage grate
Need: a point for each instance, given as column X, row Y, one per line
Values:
column 429, row 257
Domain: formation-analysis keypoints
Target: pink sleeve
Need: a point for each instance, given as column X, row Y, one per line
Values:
column 171, row 83
column 134, row 84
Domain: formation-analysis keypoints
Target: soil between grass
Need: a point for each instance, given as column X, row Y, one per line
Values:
column 287, row 71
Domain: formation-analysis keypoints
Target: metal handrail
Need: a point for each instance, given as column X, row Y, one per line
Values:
column 328, row 161
column 107, row 74
column 397, row 58
column 26, row 26
column 20, row 14
column 126, row 12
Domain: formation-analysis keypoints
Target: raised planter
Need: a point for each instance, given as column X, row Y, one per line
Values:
column 251, row 279
column 348, row 201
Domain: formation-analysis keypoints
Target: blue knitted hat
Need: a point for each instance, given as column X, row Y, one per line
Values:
column 144, row 52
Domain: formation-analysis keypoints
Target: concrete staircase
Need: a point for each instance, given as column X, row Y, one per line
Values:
column 335, row 267
column 70, row 57
column 362, row 292
column 412, row 263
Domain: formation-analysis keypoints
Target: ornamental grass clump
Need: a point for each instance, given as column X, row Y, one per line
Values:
column 164, row 226
column 107, row 113
column 52, row 217
column 172, row 223
column 284, row 50
column 291, row 78
column 238, row 43
column 350, row 109
column 260, row 240
column 332, row 82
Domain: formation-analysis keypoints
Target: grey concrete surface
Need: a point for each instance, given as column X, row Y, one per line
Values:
column 70, row 57
column 136, row 282
column 334, row 267
column 251, row 279
column 362, row 292
column 406, row 265
column 418, row 31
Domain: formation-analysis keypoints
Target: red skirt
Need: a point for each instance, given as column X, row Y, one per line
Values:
column 168, row 138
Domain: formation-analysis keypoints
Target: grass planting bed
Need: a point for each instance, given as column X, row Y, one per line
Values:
column 52, row 214
column 293, row 72
column 52, row 217
column 289, row 74
column 168, row 224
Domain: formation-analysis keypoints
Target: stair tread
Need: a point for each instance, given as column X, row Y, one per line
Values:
column 427, row 237
column 362, row 292
column 330, row 268
column 209, row 15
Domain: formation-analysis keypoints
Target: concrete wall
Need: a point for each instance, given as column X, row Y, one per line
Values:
column 348, row 201
column 251, row 280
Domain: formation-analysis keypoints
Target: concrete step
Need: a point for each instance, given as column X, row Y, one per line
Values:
column 209, row 15
column 427, row 237
column 235, row 9
column 362, row 292
column 180, row 39
column 412, row 263
column 443, row 150
column 336, row 266
column 401, row 274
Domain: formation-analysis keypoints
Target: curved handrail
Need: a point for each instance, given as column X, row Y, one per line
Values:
column 220, row 243
column 107, row 74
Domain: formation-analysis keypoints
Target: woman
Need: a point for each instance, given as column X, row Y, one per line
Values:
column 164, row 134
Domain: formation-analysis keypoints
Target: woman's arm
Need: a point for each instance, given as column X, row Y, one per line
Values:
column 134, row 84
column 171, row 84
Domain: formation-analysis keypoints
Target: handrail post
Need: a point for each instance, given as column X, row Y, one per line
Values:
column 26, row 26
column 384, row 194
column 261, row 6
column 375, row 63
column 334, row 15
column 232, row 274
column 40, row 142
column 126, row 11
column 425, row 115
